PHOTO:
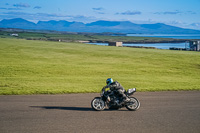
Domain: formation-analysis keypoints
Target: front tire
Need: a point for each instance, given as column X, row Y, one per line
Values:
column 98, row 104
column 133, row 104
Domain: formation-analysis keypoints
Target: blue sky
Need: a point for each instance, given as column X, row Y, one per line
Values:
column 181, row 13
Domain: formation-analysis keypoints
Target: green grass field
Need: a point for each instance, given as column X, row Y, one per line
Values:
column 44, row 67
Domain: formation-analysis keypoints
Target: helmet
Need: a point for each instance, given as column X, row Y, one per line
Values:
column 109, row 81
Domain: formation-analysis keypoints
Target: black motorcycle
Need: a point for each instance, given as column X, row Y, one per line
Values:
column 113, row 101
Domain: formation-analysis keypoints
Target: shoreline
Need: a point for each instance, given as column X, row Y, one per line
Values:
column 146, row 42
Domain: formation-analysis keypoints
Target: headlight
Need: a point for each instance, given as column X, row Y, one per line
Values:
column 132, row 90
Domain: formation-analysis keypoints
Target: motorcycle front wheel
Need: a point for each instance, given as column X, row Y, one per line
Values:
column 98, row 104
column 133, row 104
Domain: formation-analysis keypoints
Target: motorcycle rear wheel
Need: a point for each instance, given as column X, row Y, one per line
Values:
column 98, row 104
column 133, row 104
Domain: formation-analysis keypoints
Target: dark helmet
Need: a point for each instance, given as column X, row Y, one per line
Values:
column 109, row 81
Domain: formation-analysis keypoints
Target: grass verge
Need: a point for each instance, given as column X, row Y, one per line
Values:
column 42, row 67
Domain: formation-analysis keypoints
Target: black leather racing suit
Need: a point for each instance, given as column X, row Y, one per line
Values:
column 118, row 89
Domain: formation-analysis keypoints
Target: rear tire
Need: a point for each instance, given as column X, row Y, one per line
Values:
column 133, row 104
column 98, row 104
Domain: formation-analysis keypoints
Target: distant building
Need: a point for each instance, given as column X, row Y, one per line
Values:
column 117, row 44
column 194, row 45
column 14, row 35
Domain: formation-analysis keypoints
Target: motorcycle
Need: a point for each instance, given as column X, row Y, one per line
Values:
column 112, row 101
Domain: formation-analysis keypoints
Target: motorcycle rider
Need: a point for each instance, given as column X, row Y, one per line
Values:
column 117, row 88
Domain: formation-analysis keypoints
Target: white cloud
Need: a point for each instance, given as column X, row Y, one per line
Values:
column 175, row 12
column 37, row 7
column 98, row 9
column 22, row 5
column 129, row 13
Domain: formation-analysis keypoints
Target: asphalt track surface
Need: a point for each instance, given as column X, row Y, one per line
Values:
column 160, row 112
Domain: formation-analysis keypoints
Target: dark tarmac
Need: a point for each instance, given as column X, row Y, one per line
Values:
column 160, row 112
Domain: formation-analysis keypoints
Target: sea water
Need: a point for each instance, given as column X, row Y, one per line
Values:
column 156, row 45
column 161, row 45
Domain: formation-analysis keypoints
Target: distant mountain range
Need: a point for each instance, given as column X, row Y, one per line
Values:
column 96, row 27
